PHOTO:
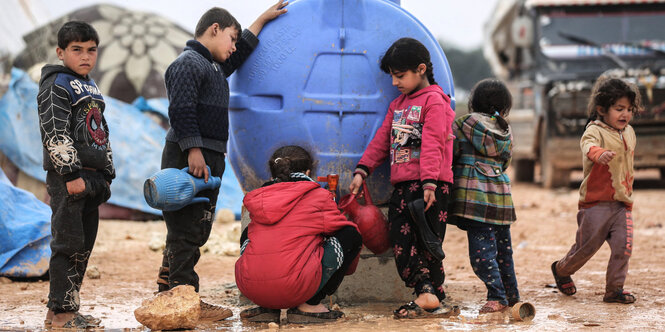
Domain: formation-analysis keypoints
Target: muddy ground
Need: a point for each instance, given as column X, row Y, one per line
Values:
column 544, row 232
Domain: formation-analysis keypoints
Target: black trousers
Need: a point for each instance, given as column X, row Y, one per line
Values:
column 188, row 228
column 415, row 265
column 351, row 242
column 74, row 224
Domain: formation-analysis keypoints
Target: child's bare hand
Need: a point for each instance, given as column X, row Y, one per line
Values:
column 274, row 11
column 197, row 164
column 267, row 16
column 356, row 183
column 429, row 198
column 606, row 157
column 75, row 186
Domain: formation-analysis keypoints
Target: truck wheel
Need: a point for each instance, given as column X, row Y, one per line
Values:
column 524, row 170
column 555, row 177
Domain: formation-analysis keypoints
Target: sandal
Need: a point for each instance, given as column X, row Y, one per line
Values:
column 295, row 316
column 415, row 311
column 427, row 237
column 565, row 284
column 619, row 296
column 78, row 322
column 260, row 315
column 213, row 313
column 91, row 319
column 492, row 306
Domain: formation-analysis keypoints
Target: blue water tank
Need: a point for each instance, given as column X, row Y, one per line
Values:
column 314, row 80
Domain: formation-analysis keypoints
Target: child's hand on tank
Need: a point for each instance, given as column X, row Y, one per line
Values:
column 429, row 198
column 274, row 11
column 75, row 186
column 606, row 157
column 270, row 14
column 356, row 183
column 197, row 164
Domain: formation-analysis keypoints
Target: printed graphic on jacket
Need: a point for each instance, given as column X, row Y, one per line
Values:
column 71, row 113
column 406, row 135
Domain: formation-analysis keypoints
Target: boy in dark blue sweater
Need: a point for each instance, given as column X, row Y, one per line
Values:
column 198, row 111
column 79, row 165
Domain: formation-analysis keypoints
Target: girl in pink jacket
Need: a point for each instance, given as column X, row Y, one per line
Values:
column 414, row 137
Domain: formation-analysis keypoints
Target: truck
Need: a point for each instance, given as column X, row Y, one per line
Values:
column 550, row 52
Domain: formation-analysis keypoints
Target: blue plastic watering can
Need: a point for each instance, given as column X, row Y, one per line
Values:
column 172, row 189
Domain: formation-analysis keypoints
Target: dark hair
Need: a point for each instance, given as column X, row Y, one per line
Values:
column 76, row 31
column 289, row 159
column 214, row 15
column 607, row 91
column 490, row 96
column 407, row 54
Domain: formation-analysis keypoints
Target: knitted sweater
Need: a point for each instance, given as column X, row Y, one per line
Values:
column 414, row 135
column 198, row 94
column 612, row 182
column 72, row 125
column 482, row 152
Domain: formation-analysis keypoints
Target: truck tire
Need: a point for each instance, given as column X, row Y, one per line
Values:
column 524, row 170
column 662, row 173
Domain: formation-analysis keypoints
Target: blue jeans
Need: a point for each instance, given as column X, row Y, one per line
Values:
column 491, row 255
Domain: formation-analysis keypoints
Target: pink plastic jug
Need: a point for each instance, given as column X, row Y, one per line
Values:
column 370, row 220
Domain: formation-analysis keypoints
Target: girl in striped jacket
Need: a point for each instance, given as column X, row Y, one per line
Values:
column 482, row 203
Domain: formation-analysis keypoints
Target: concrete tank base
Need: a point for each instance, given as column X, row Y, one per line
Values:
column 375, row 279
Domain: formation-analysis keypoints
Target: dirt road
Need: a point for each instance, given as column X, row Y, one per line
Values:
column 544, row 232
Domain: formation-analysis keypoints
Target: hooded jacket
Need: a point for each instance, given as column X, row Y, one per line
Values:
column 482, row 153
column 614, row 181
column 414, row 135
column 72, row 125
column 281, row 265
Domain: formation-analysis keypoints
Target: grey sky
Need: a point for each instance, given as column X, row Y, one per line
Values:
column 457, row 22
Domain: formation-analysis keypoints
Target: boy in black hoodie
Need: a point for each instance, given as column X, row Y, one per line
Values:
column 79, row 165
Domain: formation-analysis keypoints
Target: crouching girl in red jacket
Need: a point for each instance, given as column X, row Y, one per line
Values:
column 297, row 247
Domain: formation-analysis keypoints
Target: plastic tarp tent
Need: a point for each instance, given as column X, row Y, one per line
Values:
column 137, row 143
column 25, row 232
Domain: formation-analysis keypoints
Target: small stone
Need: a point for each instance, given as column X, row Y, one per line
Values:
column 157, row 242
column 43, row 300
column 21, row 322
column 5, row 280
column 335, row 307
column 93, row 272
column 177, row 308
column 129, row 237
column 24, row 287
column 273, row 326
column 225, row 216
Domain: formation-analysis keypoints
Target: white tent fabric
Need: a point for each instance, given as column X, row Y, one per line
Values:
column 18, row 17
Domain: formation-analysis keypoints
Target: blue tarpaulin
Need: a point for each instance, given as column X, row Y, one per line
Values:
column 25, row 232
column 156, row 105
column 137, row 143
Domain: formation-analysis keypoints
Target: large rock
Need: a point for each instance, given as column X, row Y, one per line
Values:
column 177, row 308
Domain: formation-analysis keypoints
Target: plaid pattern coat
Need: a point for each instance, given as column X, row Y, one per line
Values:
column 481, row 153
